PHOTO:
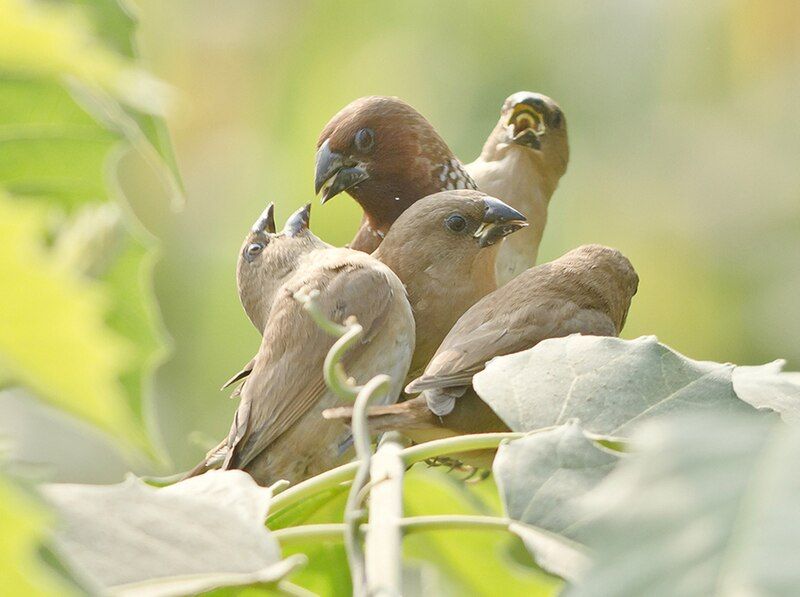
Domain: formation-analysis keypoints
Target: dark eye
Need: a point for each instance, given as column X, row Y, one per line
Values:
column 365, row 138
column 456, row 223
column 252, row 251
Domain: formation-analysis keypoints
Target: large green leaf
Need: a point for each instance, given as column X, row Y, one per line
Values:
column 73, row 101
column 769, row 387
column 610, row 385
column 708, row 506
column 190, row 537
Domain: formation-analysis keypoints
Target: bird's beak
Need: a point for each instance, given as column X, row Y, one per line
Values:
column 499, row 220
column 265, row 224
column 335, row 173
column 298, row 221
column 525, row 125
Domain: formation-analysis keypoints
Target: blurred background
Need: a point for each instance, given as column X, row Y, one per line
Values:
column 685, row 154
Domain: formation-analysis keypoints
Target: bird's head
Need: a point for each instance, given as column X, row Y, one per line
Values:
column 269, row 257
column 531, row 123
column 607, row 275
column 448, row 230
column 386, row 155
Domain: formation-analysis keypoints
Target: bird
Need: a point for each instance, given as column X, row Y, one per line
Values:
column 587, row 291
column 443, row 249
column 266, row 260
column 386, row 155
column 522, row 161
column 278, row 431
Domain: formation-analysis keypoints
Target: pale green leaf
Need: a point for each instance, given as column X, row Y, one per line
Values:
column 769, row 387
column 610, row 385
column 707, row 506
column 190, row 537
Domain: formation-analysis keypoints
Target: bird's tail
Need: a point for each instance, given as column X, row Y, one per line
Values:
column 411, row 414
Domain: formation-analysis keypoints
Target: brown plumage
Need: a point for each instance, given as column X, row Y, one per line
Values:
column 278, row 431
column 586, row 291
column 443, row 249
column 386, row 155
column 521, row 162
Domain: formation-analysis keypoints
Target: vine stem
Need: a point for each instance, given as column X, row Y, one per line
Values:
column 416, row 524
column 346, row 472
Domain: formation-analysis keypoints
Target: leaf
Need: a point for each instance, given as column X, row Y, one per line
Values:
column 610, row 385
column 553, row 552
column 193, row 536
column 24, row 526
column 707, row 507
column 53, row 338
column 768, row 387
column 542, row 476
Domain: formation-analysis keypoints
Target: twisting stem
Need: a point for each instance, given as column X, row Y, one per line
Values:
column 377, row 386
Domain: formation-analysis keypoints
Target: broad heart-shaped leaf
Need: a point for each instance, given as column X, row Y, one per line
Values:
column 768, row 387
column 707, row 506
column 543, row 475
column 541, row 479
column 190, row 537
column 610, row 385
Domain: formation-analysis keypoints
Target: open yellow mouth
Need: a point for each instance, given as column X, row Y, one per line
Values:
column 523, row 119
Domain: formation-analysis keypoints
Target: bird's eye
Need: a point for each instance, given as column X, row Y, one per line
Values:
column 365, row 139
column 456, row 223
column 254, row 249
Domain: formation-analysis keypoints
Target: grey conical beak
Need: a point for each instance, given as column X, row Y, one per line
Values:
column 266, row 221
column 298, row 221
column 499, row 220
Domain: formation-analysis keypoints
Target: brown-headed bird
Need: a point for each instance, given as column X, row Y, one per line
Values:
column 278, row 430
column 586, row 291
column 443, row 249
column 521, row 162
column 386, row 155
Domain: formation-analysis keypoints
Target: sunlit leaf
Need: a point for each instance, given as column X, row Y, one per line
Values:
column 610, row 385
column 193, row 536
column 53, row 337
column 25, row 524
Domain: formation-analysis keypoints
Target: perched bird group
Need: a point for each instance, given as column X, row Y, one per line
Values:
column 430, row 275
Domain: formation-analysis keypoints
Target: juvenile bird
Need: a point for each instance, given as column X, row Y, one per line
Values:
column 443, row 249
column 386, row 155
column 586, row 291
column 266, row 260
column 521, row 162
column 278, row 431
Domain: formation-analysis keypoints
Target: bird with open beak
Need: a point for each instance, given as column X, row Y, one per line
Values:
column 586, row 291
column 521, row 162
column 386, row 155
column 278, row 431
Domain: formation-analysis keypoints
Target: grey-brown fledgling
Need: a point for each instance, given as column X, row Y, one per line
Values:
column 386, row 155
column 521, row 162
column 278, row 431
column 266, row 260
column 443, row 249
column 586, row 291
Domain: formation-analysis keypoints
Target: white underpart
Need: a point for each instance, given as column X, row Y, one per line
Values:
column 514, row 179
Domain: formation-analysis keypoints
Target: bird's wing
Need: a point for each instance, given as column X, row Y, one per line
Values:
column 287, row 378
column 481, row 335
